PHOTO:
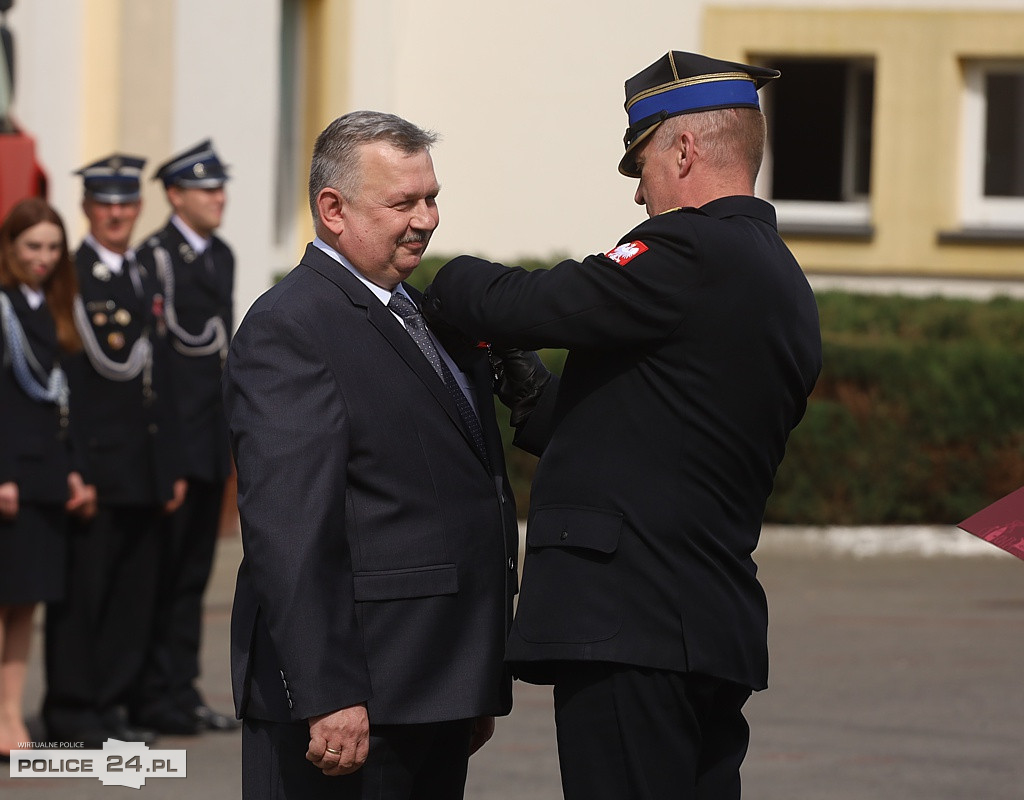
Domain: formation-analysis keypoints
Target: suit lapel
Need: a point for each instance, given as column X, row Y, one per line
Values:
column 482, row 379
column 391, row 329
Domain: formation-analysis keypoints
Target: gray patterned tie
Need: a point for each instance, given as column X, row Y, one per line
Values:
column 417, row 328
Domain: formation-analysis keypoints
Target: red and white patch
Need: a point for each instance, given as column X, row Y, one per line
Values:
column 625, row 253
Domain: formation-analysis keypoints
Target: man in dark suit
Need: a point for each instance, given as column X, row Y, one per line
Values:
column 693, row 345
column 379, row 531
column 97, row 637
column 196, row 269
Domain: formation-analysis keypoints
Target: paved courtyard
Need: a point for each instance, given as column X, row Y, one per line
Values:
column 897, row 660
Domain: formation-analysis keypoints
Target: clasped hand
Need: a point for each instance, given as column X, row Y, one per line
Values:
column 339, row 742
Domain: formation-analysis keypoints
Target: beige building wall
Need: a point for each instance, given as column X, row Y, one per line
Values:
column 150, row 78
column 917, row 155
column 527, row 97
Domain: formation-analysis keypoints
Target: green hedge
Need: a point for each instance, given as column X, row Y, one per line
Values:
column 918, row 416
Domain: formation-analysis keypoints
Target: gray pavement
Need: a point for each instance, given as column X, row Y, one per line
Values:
column 896, row 675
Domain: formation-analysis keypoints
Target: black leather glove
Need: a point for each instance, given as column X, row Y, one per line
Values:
column 519, row 379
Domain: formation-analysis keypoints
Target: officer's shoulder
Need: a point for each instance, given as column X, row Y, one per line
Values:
column 151, row 242
column 667, row 225
column 220, row 245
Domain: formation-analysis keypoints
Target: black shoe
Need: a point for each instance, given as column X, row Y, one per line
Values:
column 130, row 733
column 211, row 720
column 118, row 727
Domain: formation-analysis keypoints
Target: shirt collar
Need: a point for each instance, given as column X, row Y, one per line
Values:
column 113, row 260
column 380, row 293
column 195, row 241
column 34, row 297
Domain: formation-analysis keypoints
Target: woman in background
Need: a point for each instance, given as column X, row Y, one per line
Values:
column 39, row 483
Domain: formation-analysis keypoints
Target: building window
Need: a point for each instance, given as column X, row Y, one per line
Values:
column 993, row 144
column 818, row 165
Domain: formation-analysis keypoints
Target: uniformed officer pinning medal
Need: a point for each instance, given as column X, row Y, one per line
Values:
column 692, row 346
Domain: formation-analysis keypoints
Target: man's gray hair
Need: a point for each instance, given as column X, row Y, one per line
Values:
column 336, row 152
column 730, row 138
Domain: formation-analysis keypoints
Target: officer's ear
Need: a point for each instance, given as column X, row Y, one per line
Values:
column 173, row 193
column 686, row 152
column 331, row 209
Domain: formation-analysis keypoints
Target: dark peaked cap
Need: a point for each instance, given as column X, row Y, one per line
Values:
column 683, row 83
column 114, row 179
column 196, row 168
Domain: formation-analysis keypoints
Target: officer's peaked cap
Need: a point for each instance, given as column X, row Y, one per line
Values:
column 114, row 179
column 683, row 83
column 196, row 168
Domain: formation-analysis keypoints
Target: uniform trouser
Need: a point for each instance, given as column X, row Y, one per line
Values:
column 406, row 762
column 628, row 733
column 98, row 635
column 189, row 543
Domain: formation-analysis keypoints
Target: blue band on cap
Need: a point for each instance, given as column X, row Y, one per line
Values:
column 712, row 94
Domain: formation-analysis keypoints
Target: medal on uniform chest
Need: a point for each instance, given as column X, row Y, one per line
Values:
column 122, row 317
column 187, row 254
column 115, row 340
column 101, row 271
column 99, row 319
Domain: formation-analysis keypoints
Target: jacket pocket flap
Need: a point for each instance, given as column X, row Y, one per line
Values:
column 399, row 584
column 575, row 526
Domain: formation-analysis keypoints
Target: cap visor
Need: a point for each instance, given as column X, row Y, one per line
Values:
column 627, row 166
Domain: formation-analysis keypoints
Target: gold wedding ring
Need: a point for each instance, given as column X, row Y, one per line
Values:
column 332, row 750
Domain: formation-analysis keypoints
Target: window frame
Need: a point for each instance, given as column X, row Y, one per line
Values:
column 854, row 211
column 976, row 209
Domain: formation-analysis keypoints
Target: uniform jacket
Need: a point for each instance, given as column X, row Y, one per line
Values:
column 202, row 290
column 692, row 349
column 36, row 451
column 379, row 551
column 132, row 442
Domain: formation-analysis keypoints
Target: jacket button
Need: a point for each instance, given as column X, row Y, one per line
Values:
column 153, row 428
column 565, row 535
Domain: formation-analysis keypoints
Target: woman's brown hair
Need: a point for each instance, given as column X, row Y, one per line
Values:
column 61, row 286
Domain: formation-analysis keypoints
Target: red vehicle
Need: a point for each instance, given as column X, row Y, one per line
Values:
column 20, row 173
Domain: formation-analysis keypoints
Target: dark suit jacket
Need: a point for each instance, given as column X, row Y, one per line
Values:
column 690, row 360
column 36, row 452
column 379, row 551
column 132, row 443
column 202, row 290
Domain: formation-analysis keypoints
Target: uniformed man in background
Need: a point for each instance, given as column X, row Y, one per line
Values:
column 98, row 636
column 196, row 269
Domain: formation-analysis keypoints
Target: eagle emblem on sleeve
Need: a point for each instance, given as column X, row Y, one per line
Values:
column 626, row 252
